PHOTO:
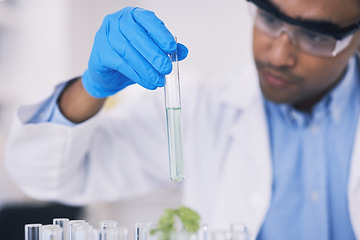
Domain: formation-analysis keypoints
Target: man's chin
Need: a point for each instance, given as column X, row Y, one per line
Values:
column 276, row 98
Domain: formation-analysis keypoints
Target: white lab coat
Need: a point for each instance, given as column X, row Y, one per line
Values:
column 123, row 152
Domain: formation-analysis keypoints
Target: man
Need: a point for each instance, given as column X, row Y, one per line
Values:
column 284, row 159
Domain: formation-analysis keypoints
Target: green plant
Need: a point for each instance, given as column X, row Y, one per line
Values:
column 190, row 221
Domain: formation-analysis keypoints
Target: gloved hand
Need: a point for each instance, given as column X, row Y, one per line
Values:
column 131, row 46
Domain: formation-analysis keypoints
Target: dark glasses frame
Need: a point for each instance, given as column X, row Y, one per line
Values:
column 322, row 27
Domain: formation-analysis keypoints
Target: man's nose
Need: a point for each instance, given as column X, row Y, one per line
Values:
column 283, row 52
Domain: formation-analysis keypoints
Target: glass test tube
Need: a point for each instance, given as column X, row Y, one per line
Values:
column 173, row 121
column 239, row 231
column 95, row 234
column 142, row 230
column 117, row 233
column 52, row 232
column 65, row 225
column 108, row 224
column 123, row 233
column 73, row 224
column 203, row 232
column 81, row 232
column 33, row 231
column 220, row 235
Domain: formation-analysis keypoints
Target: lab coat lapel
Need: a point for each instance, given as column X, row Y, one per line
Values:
column 354, row 180
column 245, row 190
column 354, row 186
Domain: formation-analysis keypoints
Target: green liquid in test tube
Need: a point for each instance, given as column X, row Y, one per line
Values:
column 173, row 121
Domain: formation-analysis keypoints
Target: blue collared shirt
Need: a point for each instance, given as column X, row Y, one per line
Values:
column 311, row 156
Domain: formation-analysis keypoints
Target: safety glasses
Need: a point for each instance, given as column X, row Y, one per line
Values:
column 315, row 39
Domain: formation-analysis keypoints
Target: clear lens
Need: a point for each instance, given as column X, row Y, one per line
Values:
column 268, row 21
column 305, row 40
column 314, row 43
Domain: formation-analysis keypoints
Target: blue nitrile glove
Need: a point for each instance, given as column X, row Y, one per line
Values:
column 131, row 46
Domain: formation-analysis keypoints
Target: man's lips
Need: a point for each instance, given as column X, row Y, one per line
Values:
column 275, row 80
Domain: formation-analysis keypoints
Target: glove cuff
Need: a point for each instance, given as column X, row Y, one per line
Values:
column 90, row 87
column 101, row 90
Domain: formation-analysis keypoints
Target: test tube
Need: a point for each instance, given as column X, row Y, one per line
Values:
column 33, row 231
column 203, row 232
column 65, row 225
column 123, row 233
column 81, row 232
column 142, row 230
column 220, row 235
column 183, row 235
column 173, row 121
column 108, row 224
column 52, row 232
column 95, row 234
column 116, row 233
column 73, row 224
column 239, row 231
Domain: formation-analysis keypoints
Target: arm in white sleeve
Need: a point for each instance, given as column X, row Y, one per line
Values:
column 50, row 111
column 118, row 153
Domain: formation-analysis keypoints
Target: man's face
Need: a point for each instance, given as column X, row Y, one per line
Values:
column 289, row 75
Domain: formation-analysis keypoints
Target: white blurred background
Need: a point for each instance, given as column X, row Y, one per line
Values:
column 43, row 42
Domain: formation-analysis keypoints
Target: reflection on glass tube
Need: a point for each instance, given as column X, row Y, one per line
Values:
column 173, row 120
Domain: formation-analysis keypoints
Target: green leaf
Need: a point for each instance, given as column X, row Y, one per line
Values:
column 188, row 217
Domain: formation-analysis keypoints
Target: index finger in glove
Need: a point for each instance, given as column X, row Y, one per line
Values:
column 158, row 32
column 156, row 29
column 153, row 42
